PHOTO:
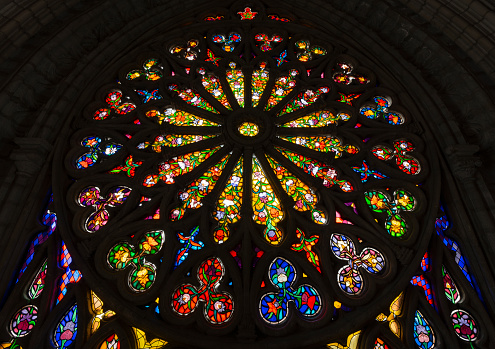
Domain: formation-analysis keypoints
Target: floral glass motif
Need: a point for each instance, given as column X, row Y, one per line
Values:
column 405, row 163
column 235, row 79
column 143, row 273
column 381, row 111
column 451, row 291
column 112, row 342
column 304, row 99
column 178, row 117
column 189, row 243
column 464, row 325
column 218, row 307
column 349, row 276
column 266, row 205
column 178, row 166
column 246, row 148
column 274, row 306
column 324, row 144
column 305, row 199
column 266, row 41
column 90, row 196
column 395, row 312
column 66, row 331
column 380, row 202
column 115, row 105
column 189, row 51
column 320, row 118
column 149, row 71
column 345, row 75
column 192, row 196
column 38, row 282
column 227, row 210
column 423, row 333
column 228, row 42
column 317, row 169
column 23, row 322
column 96, row 148
column 307, row 52
column 211, row 83
column 172, row 140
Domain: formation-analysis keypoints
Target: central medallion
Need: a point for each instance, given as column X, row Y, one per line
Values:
column 249, row 129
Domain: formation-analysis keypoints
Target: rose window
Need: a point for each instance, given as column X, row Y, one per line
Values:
column 248, row 180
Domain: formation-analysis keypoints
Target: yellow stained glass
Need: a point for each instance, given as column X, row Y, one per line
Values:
column 142, row 342
column 352, row 342
column 249, row 129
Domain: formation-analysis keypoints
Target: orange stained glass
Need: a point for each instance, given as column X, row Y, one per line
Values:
column 192, row 196
column 229, row 204
column 178, row 118
column 283, row 86
column 177, row 166
column 266, row 205
column 248, row 129
column 320, row 118
column 259, row 79
column 305, row 199
column 235, row 79
column 211, row 83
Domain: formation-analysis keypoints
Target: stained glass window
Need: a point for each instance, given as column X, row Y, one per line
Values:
column 248, row 182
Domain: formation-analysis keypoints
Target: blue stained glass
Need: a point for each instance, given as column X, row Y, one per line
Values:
column 66, row 330
column 189, row 244
column 49, row 220
column 366, row 173
column 441, row 225
column 423, row 333
column 149, row 95
column 274, row 305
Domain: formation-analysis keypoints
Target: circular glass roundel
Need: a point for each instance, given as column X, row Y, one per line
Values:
column 248, row 183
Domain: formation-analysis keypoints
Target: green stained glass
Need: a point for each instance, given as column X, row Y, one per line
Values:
column 380, row 202
column 178, row 118
column 150, row 71
column 235, row 79
column 191, row 197
column 193, row 98
column 229, row 204
column 320, row 118
column 304, row 99
column 266, row 205
column 259, row 79
column 324, row 144
column 306, row 245
column 211, row 83
column 305, row 199
column 177, row 166
column 317, row 169
column 248, row 129
column 172, row 140
column 143, row 273
column 283, row 86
